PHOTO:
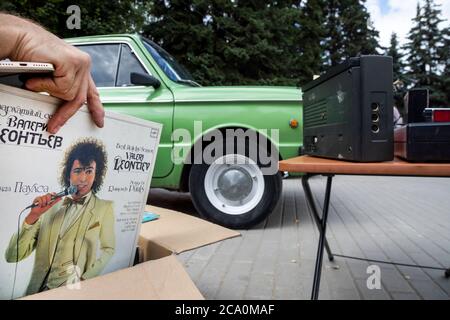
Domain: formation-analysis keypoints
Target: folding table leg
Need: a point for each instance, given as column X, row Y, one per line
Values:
column 322, row 241
column 315, row 214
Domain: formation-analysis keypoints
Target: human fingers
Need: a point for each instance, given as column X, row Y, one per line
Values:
column 48, row 199
column 71, row 67
column 64, row 87
column 53, row 200
column 43, row 200
column 94, row 104
column 67, row 110
column 63, row 114
column 37, row 201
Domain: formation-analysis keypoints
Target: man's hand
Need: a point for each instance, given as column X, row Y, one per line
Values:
column 44, row 203
column 71, row 81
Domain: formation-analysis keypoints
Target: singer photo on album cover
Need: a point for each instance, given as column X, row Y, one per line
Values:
column 73, row 235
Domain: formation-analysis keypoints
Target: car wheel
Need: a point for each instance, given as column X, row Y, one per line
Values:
column 232, row 191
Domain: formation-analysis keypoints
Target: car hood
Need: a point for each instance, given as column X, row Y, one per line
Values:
column 237, row 93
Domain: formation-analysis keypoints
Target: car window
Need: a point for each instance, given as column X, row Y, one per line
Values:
column 167, row 63
column 128, row 64
column 105, row 58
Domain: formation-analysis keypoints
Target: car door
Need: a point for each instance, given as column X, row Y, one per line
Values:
column 112, row 64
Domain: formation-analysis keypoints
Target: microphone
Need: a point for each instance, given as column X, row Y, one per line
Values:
column 68, row 191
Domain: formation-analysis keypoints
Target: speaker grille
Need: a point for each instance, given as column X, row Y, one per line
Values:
column 315, row 114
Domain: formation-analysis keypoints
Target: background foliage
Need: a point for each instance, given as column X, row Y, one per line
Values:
column 273, row 42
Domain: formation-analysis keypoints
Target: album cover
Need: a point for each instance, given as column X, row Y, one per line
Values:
column 71, row 203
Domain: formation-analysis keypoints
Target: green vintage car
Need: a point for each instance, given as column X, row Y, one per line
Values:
column 137, row 77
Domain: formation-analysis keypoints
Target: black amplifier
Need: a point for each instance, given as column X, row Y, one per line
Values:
column 348, row 111
column 416, row 101
column 423, row 142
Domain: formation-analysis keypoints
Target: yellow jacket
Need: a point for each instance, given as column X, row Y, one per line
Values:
column 96, row 229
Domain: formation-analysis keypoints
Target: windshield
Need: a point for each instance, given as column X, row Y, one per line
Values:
column 167, row 63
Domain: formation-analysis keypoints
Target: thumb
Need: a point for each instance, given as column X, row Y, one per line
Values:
column 42, row 84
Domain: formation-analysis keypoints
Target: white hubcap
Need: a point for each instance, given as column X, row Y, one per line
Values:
column 234, row 184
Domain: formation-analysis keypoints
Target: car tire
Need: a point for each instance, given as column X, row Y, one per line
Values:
column 233, row 191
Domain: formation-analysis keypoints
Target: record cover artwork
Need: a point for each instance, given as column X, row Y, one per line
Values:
column 106, row 175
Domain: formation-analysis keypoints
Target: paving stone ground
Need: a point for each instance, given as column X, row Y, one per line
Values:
column 396, row 219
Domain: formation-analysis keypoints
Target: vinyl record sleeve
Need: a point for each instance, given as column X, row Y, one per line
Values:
column 112, row 167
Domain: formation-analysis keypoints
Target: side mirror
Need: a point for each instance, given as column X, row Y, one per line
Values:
column 141, row 79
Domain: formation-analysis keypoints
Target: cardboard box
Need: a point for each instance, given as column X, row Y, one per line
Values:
column 163, row 279
column 175, row 232
column 160, row 275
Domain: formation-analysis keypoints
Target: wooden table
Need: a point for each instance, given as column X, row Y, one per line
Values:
column 311, row 166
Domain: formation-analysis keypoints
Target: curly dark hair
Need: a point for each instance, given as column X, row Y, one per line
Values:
column 85, row 151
